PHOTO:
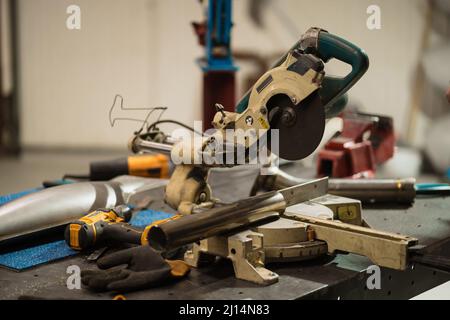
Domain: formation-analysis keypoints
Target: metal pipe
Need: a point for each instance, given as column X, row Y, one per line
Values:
column 365, row 190
column 195, row 227
column 375, row 190
column 244, row 213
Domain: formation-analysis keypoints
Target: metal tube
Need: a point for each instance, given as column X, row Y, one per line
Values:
column 375, row 190
column 244, row 213
column 365, row 190
column 216, row 221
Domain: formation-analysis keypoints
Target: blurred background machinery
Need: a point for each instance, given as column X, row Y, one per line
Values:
column 431, row 82
column 146, row 51
column 366, row 141
column 214, row 33
column 9, row 113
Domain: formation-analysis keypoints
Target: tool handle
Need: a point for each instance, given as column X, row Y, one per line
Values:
column 151, row 166
column 331, row 46
column 121, row 233
column 433, row 189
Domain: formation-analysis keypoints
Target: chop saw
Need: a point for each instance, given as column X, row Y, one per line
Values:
column 294, row 98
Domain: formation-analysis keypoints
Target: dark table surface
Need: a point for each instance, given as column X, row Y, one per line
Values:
column 339, row 277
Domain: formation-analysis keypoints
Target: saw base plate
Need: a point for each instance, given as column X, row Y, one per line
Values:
column 283, row 240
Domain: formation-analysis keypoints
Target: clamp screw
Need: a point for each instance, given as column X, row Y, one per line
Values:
column 263, row 110
column 202, row 197
column 220, row 109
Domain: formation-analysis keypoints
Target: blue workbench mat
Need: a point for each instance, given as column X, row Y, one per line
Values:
column 30, row 257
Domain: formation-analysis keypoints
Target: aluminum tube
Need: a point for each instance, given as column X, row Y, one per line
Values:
column 365, row 190
column 216, row 221
column 375, row 190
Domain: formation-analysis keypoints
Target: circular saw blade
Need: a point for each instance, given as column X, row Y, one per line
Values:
column 299, row 137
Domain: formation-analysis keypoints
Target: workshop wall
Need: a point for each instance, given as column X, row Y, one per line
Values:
column 145, row 50
column 142, row 49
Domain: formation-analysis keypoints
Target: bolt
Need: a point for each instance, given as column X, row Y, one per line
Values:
column 288, row 117
column 202, row 197
column 249, row 120
column 220, row 109
column 263, row 110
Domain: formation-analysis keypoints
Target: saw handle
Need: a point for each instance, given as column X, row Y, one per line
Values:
column 333, row 88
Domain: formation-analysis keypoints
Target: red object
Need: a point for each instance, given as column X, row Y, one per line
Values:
column 366, row 140
column 200, row 29
column 218, row 87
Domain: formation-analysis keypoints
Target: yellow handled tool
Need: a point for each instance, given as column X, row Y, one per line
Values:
column 106, row 227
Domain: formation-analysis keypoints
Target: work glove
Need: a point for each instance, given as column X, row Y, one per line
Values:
column 145, row 268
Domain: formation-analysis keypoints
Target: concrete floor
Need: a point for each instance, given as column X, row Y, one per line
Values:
column 34, row 167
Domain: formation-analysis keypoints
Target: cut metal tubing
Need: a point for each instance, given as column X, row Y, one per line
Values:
column 375, row 190
column 244, row 213
column 60, row 205
column 365, row 190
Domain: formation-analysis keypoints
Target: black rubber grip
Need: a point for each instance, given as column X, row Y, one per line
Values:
column 107, row 170
column 121, row 233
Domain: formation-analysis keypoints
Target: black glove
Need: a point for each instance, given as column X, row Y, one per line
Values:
column 145, row 268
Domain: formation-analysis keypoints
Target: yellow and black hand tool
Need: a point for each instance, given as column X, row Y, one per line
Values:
column 107, row 227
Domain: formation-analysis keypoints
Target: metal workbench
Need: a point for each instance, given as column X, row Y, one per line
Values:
column 341, row 277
